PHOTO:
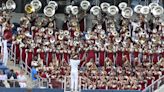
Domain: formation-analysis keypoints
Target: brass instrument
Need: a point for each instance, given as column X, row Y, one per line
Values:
column 68, row 9
column 36, row 4
column 113, row 10
column 76, row 33
column 104, row 6
column 29, row 8
column 157, row 11
column 122, row 5
column 50, row 31
column 152, row 5
column 137, row 9
column 49, row 10
column 145, row 10
column 95, row 10
column 127, row 12
column 54, row 4
column 10, row 4
column 85, row 5
column 74, row 10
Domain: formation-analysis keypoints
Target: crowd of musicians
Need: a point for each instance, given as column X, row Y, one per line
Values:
column 122, row 54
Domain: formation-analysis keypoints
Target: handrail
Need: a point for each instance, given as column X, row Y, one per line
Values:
column 26, row 68
column 11, row 80
column 152, row 84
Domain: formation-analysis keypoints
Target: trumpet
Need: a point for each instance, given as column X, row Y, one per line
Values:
column 76, row 33
column 50, row 31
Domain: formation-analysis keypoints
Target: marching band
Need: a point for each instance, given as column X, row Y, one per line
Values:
column 112, row 53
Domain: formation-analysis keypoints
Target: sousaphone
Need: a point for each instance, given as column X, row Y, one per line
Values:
column 68, row 9
column 127, row 12
column 49, row 11
column 85, row 5
column 53, row 4
column 113, row 10
column 137, row 9
column 74, row 10
column 157, row 11
column 10, row 4
column 29, row 8
column 145, row 10
column 122, row 5
column 36, row 4
column 104, row 6
column 152, row 5
column 95, row 10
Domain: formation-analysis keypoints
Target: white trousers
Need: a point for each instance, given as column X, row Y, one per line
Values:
column 5, row 59
column 74, row 80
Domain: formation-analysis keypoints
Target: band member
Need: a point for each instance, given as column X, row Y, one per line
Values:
column 5, row 52
column 74, row 62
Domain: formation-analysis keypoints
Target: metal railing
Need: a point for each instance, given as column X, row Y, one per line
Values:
column 154, row 86
column 23, row 65
column 11, row 83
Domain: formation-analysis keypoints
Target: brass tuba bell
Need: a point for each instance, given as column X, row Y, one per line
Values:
column 29, row 8
column 145, row 10
column 85, row 5
column 95, row 10
column 157, row 11
column 53, row 4
column 122, row 5
column 49, row 10
column 152, row 5
column 74, row 10
column 10, row 4
column 104, row 6
column 50, row 31
column 68, row 9
column 113, row 10
column 36, row 4
column 137, row 9
column 127, row 12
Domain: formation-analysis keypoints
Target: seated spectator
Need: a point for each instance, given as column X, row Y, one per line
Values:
column 11, row 75
column 2, row 78
column 22, row 79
